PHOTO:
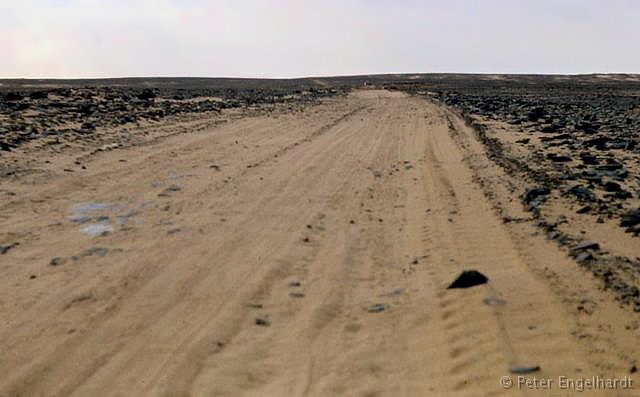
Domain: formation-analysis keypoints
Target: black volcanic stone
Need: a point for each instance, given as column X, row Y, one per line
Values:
column 582, row 193
column 532, row 194
column 13, row 96
column 468, row 279
column 585, row 245
column 611, row 166
column 630, row 218
column 588, row 159
column 612, row 187
column 599, row 143
column 39, row 95
column 536, row 114
column 146, row 94
column 558, row 158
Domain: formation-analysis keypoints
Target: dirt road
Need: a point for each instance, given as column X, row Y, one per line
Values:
column 292, row 254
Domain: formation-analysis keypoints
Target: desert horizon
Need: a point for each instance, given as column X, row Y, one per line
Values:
column 337, row 233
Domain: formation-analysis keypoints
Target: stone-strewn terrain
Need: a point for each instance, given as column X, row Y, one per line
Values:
column 74, row 112
column 174, row 237
column 587, row 143
column 576, row 144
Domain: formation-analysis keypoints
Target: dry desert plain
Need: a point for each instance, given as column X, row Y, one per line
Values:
column 195, row 237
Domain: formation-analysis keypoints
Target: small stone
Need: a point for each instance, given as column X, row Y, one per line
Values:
column 57, row 261
column 100, row 251
column 584, row 257
column 630, row 218
column 296, row 294
column 612, row 187
column 468, row 279
column 582, row 193
column 584, row 209
column 532, row 194
column 524, row 369
column 378, row 307
column 585, row 245
column 5, row 248
column 263, row 322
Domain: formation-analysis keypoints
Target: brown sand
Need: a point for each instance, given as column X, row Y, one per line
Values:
column 364, row 200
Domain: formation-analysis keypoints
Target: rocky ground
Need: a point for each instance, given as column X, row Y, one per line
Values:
column 58, row 114
column 178, row 237
column 576, row 142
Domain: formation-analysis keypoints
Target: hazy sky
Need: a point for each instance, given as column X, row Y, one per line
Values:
column 287, row 38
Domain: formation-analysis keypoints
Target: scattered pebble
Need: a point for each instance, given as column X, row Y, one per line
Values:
column 5, row 248
column 378, row 307
column 524, row 369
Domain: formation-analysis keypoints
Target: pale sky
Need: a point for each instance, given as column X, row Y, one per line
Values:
column 288, row 38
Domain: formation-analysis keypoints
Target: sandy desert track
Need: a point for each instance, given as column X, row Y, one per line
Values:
column 248, row 259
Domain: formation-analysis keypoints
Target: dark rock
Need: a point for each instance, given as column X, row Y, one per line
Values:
column 585, row 245
column 635, row 230
column 5, row 248
column 532, row 194
column 555, row 137
column 588, row 159
column 584, row 210
column 558, row 158
column 550, row 128
column 612, row 187
column 7, row 147
column 378, row 307
column 524, row 369
column 57, row 261
column 552, row 235
column 13, row 96
column 582, row 193
column 584, row 257
column 39, row 95
column 468, row 279
column 263, row 322
column 99, row 251
column 536, row 114
column 622, row 195
column 587, row 127
column 599, row 143
column 611, row 166
column 630, row 218
column 147, row 94
column 88, row 126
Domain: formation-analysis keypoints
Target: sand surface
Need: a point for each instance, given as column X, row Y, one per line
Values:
column 292, row 254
